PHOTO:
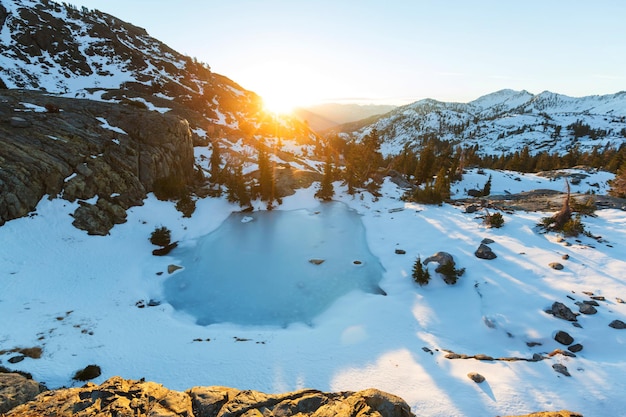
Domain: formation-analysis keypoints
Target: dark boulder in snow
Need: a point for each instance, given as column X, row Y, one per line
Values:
column 485, row 252
column 617, row 324
column 575, row 348
column 442, row 258
column 476, row 377
column 564, row 338
column 586, row 308
column 556, row 265
column 562, row 369
column 561, row 311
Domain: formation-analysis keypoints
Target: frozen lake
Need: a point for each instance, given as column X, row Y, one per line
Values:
column 274, row 267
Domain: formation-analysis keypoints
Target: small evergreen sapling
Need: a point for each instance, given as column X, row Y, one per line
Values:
column 420, row 275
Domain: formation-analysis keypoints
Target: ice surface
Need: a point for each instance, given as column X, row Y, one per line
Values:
column 275, row 267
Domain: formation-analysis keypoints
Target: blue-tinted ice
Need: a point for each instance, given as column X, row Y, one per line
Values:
column 255, row 268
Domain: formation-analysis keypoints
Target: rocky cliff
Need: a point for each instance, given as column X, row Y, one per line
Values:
column 106, row 156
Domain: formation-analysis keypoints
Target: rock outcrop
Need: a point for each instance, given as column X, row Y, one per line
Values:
column 106, row 153
column 121, row 397
column 16, row 389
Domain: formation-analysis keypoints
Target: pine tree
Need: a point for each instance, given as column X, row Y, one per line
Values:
column 618, row 184
column 487, row 187
column 216, row 161
column 237, row 191
column 326, row 191
column 442, row 184
column 421, row 276
column 362, row 160
column 266, row 176
column 424, row 169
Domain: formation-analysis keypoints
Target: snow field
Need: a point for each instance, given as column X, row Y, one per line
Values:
column 75, row 295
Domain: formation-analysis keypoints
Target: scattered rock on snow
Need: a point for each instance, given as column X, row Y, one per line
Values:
column 575, row 348
column 556, row 265
column 562, row 369
column 476, row 377
column 483, row 357
column 400, row 252
column 561, row 311
column 165, row 250
column 585, row 308
column 442, row 258
column 472, row 208
column 484, row 252
column 563, row 338
column 617, row 324
column 316, row 261
column 565, row 257
column 487, row 241
column 173, row 268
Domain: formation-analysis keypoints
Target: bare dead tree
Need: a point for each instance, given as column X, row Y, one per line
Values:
column 564, row 214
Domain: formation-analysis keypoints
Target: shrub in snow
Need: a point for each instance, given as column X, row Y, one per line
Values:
column 186, row 205
column 89, row 372
column 161, row 236
column 494, row 220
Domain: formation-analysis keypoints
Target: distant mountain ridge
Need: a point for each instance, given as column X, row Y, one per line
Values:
column 325, row 116
column 503, row 122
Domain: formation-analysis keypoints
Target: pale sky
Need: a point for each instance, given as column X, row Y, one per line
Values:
column 393, row 51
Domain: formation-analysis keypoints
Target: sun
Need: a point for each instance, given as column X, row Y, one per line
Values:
column 283, row 85
column 278, row 103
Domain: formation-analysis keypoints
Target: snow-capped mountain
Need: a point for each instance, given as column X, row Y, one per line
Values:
column 504, row 122
column 82, row 53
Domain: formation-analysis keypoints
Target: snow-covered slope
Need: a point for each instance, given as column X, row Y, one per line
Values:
column 85, row 53
column 505, row 122
column 78, row 297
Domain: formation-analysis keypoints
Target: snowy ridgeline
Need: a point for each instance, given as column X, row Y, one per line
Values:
column 77, row 297
column 505, row 122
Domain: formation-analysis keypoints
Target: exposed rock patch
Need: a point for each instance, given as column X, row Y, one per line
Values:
column 75, row 155
column 16, row 389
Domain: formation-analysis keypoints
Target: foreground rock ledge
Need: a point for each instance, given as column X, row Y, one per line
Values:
column 121, row 397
